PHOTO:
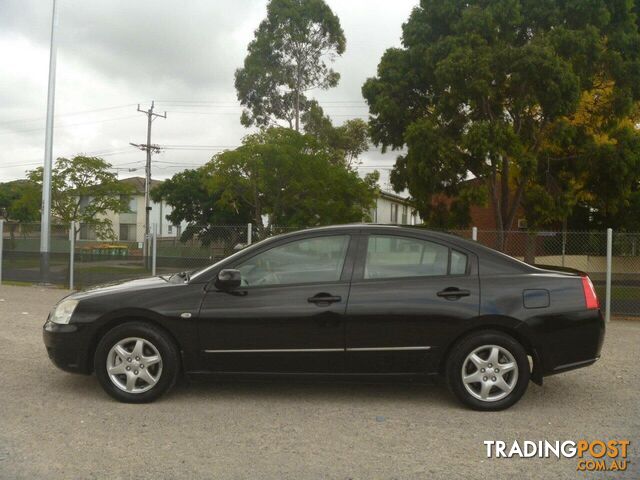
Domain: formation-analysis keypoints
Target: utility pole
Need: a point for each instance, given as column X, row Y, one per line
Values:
column 45, row 219
column 151, row 115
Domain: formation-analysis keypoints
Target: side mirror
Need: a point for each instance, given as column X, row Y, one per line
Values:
column 228, row 279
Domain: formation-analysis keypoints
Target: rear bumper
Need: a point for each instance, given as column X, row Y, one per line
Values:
column 572, row 366
column 66, row 347
column 569, row 341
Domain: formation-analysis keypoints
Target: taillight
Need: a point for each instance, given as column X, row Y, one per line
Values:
column 589, row 293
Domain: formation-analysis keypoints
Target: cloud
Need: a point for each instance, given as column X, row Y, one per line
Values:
column 113, row 55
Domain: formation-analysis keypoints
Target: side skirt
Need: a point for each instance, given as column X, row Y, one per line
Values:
column 313, row 377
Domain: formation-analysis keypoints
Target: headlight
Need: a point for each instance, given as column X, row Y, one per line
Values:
column 63, row 311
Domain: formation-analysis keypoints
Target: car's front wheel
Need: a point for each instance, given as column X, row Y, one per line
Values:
column 488, row 370
column 136, row 362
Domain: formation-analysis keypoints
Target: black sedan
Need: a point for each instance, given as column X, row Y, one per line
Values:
column 350, row 302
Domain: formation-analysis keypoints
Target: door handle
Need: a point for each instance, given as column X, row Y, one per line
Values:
column 453, row 293
column 321, row 298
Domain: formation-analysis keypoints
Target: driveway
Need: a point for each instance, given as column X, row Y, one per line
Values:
column 55, row 425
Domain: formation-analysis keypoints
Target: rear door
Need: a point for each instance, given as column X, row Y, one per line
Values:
column 408, row 296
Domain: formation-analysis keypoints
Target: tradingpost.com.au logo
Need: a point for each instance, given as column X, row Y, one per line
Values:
column 592, row 455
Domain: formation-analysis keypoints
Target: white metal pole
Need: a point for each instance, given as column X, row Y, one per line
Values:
column 72, row 253
column 45, row 227
column 607, row 305
column 1, row 238
column 155, row 250
column 474, row 234
column 249, row 233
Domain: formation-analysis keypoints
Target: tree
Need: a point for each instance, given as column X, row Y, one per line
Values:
column 344, row 143
column 290, row 179
column 478, row 85
column 19, row 201
column 288, row 56
column 590, row 163
column 193, row 202
column 84, row 190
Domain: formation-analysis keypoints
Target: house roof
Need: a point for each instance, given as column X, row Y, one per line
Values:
column 138, row 183
column 395, row 197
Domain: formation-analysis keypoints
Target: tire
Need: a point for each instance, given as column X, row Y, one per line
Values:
column 484, row 387
column 120, row 358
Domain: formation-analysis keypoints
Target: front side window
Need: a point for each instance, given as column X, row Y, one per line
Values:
column 310, row 260
column 392, row 257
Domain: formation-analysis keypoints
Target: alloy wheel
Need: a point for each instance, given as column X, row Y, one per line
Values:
column 134, row 365
column 490, row 373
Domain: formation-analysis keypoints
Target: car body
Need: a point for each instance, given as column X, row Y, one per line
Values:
column 349, row 301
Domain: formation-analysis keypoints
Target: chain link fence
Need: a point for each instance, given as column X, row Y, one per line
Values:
column 103, row 260
column 584, row 251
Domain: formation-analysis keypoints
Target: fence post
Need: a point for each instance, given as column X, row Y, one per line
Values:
column 607, row 304
column 249, row 233
column 72, row 253
column 1, row 238
column 474, row 234
column 154, row 242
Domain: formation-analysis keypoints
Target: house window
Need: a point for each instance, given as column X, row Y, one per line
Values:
column 83, row 202
column 128, row 232
column 87, row 232
column 404, row 215
column 394, row 213
column 132, row 203
column 170, row 229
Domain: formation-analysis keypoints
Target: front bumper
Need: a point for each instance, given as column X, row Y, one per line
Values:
column 67, row 347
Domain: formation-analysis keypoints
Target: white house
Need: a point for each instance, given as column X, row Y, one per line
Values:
column 393, row 209
column 129, row 226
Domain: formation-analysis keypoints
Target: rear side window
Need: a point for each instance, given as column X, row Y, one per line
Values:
column 392, row 257
column 458, row 263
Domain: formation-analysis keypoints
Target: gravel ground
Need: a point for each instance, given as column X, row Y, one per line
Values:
column 55, row 425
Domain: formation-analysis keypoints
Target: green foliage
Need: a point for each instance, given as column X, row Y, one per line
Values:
column 344, row 143
column 193, row 202
column 20, row 201
column 84, row 190
column 591, row 167
column 287, row 58
column 478, row 85
column 291, row 179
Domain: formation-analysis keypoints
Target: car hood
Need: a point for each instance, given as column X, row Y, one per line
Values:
column 126, row 285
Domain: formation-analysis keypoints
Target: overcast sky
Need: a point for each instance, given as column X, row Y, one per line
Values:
column 115, row 54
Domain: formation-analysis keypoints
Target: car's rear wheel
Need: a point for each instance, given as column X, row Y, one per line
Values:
column 488, row 370
column 136, row 362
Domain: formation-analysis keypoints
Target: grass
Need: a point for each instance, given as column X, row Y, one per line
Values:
column 111, row 269
column 620, row 292
column 17, row 284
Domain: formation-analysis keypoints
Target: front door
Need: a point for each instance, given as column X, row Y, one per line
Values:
column 288, row 315
column 407, row 296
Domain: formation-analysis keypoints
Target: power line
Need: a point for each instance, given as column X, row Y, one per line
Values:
column 185, row 112
column 237, row 101
column 69, row 125
column 82, row 112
